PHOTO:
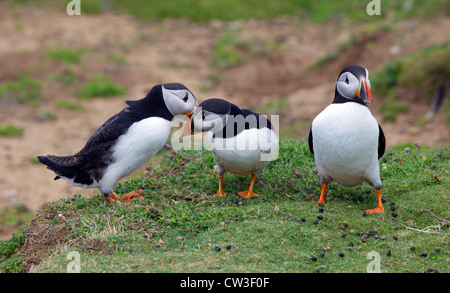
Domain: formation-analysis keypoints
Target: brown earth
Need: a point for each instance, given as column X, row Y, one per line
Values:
column 277, row 65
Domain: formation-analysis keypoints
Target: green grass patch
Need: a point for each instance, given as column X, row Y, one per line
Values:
column 10, row 131
column 180, row 226
column 230, row 10
column 100, row 86
column 67, row 55
column 419, row 73
column 24, row 90
column 70, row 106
column 226, row 50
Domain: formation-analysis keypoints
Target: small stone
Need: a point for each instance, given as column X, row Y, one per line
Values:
column 394, row 214
column 217, row 248
column 343, row 234
column 341, row 254
column 359, row 248
column 322, row 255
column 423, row 254
column 321, row 210
column 341, row 227
column 395, row 238
column 363, row 239
column 388, row 252
column 228, row 247
column 437, row 249
column 383, row 237
column 412, row 248
column 313, row 258
column 315, row 222
column 345, row 224
column 350, row 243
column 364, row 214
column 320, row 217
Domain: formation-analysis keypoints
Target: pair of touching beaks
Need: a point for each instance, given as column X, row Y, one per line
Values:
column 363, row 93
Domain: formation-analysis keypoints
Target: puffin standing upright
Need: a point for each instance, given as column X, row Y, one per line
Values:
column 243, row 142
column 346, row 139
column 125, row 142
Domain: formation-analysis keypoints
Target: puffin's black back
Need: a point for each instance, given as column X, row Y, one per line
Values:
column 90, row 162
column 261, row 121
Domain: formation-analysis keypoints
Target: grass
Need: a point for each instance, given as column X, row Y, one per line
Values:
column 70, row 106
column 179, row 225
column 230, row 10
column 67, row 55
column 23, row 90
column 422, row 72
column 10, row 131
column 226, row 50
column 100, row 86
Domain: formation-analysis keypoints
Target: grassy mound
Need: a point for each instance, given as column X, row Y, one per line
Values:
column 180, row 227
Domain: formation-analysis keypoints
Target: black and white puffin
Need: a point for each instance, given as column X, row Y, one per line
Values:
column 242, row 142
column 125, row 142
column 346, row 139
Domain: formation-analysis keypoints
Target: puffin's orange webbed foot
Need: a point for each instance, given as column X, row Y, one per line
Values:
column 248, row 194
column 379, row 209
column 112, row 198
column 132, row 195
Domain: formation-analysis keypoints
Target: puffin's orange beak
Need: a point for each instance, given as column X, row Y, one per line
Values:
column 364, row 92
column 188, row 129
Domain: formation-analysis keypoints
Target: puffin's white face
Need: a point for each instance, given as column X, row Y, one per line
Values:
column 180, row 101
column 350, row 87
column 209, row 121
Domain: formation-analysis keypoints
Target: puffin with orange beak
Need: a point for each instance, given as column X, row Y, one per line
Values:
column 125, row 142
column 346, row 139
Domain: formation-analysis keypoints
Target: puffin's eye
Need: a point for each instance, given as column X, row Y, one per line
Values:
column 346, row 80
column 186, row 97
column 203, row 117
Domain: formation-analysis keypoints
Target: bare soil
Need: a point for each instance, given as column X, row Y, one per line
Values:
column 278, row 65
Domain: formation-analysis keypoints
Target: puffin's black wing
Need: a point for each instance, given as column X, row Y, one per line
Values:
column 381, row 142
column 310, row 141
column 89, row 163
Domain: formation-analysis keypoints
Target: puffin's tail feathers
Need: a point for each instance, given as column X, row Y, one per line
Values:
column 63, row 166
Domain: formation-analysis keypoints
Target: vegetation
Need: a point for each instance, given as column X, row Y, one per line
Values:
column 24, row 90
column 70, row 106
column 229, row 10
column 67, row 55
column 10, row 131
column 421, row 71
column 100, row 86
column 181, row 227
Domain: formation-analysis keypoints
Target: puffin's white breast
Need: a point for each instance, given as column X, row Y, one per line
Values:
column 246, row 153
column 134, row 148
column 345, row 141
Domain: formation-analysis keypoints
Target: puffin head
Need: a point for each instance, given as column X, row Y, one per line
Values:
column 353, row 84
column 178, row 99
column 210, row 115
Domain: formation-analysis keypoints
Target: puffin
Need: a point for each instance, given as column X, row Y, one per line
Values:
column 125, row 142
column 242, row 142
column 346, row 139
